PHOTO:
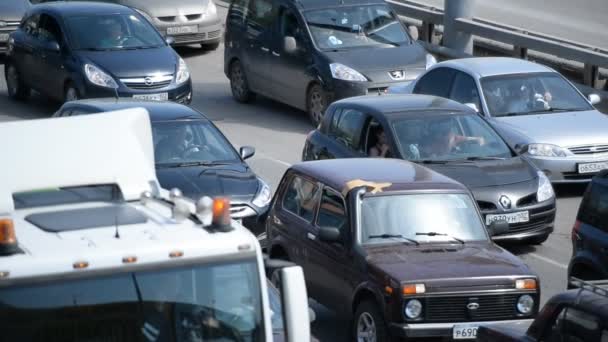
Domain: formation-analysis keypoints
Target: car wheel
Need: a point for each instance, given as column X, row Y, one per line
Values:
column 538, row 240
column 369, row 325
column 239, row 85
column 15, row 87
column 316, row 104
column 71, row 93
column 210, row 47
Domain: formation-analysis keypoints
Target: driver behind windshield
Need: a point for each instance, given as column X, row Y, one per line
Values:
column 442, row 139
column 175, row 146
column 113, row 34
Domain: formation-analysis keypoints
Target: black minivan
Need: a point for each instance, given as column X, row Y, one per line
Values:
column 75, row 50
column 309, row 53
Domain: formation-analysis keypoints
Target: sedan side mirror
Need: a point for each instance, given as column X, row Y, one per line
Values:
column 498, row 227
column 594, row 99
column 52, row 46
column 290, row 45
column 247, row 152
column 329, row 234
column 170, row 40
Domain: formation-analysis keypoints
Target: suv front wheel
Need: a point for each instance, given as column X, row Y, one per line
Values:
column 14, row 84
column 316, row 104
column 369, row 325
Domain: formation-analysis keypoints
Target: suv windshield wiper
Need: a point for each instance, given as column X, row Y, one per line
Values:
column 441, row 234
column 485, row 158
column 393, row 236
column 453, row 161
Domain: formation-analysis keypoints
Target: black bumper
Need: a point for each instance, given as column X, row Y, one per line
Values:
column 344, row 89
column 177, row 93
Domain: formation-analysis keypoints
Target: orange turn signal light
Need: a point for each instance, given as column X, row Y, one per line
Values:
column 129, row 259
column 412, row 289
column 388, row 290
column 176, row 254
column 221, row 212
column 7, row 232
column 526, row 284
column 81, row 264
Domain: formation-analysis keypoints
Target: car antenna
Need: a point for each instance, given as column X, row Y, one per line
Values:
column 117, row 233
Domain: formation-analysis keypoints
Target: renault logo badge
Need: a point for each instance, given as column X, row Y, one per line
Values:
column 148, row 81
column 505, row 202
column 397, row 75
column 473, row 306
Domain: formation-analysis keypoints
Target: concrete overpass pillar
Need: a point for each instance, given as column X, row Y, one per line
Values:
column 460, row 41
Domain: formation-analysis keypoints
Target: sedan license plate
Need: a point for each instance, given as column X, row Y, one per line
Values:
column 152, row 97
column 518, row 217
column 182, row 30
column 464, row 332
column 3, row 37
column 592, row 167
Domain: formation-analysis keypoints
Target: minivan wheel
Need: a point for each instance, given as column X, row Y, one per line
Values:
column 369, row 325
column 16, row 89
column 239, row 85
column 316, row 104
column 70, row 94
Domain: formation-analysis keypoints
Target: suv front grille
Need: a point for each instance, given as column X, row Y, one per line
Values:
column 150, row 82
column 454, row 309
column 589, row 149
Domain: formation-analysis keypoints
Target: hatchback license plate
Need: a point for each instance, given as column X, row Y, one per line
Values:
column 3, row 37
column 518, row 217
column 592, row 167
column 464, row 332
column 152, row 97
column 182, row 29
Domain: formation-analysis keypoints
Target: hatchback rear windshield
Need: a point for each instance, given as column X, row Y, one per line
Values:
column 212, row 302
column 113, row 32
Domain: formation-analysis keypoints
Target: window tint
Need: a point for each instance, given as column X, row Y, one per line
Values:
column 290, row 25
column 594, row 210
column 333, row 127
column 262, row 14
column 348, row 130
column 49, row 30
column 30, row 26
column 300, row 198
column 332, row 211
column 464, row 90
column 436, row 82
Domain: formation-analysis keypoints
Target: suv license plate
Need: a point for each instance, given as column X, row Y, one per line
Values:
column 592, row 167
column 518, row 217
column 182, row 29
column 152, row 97
column 464, row 332
column 3, row 37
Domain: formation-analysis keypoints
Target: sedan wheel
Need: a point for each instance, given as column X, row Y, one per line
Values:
column 15, row 87
column 316, row 104
column 369, row 324
column 239, row 84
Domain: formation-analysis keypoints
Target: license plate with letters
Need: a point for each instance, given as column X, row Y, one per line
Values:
column 518, row 217
column 592, row 167
column 182, row 30
column 464, row 332
column 152, row 97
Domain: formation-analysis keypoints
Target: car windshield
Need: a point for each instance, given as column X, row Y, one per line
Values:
column 190, row 141
column 425, row 218
column 448, row 137
column 531, row 93
column 211, row 302
column 113, row 32
column 355, row 26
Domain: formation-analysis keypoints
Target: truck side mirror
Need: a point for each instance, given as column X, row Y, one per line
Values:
column 498, row 227
column 290, row 45
column 594, row 99
column 329, row 234
column 295, row 297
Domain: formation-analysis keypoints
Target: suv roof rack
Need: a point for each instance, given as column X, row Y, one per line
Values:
column 599, row 287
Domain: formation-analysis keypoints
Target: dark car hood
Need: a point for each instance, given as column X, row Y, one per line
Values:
column 13, row 10
column 434, row 262
column 235, row 180
column 488, row 172
column 134, row 63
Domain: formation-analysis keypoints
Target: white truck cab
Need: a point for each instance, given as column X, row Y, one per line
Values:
column 92, row 249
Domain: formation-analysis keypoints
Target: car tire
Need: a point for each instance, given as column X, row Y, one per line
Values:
column 70, row 93
column 210, row 47
column 316, row 104
column 368, row 324
column 239, row 85
column 15, row 87
column 538, row 240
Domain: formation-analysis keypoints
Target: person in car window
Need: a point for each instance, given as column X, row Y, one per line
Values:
column 381, row 149
column 176, row 145
column 442, row 139
column 113, row 34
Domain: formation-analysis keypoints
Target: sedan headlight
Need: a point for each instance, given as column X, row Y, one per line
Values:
column 263, row 196
column 211, row 8
column 525, row 304
column 545, row 189
column 430, row 60
column 546, row 150
column 99, row 77
column 413, row 309
column 342, row 72
column 183, row 74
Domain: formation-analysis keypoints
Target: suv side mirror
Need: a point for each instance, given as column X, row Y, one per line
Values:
column 498, row 227
column 293, row 291
column 52, row 46
column 594, row 99
column 170, row 40
column 329, row 234
column 290, row 45
column 247, row 152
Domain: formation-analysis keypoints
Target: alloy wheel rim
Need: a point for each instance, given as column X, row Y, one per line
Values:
column 366, row 328
column 12, row 80
column 238, row 82
column 316, row 106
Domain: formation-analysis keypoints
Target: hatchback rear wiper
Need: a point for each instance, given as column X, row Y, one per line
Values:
column 441, row 234
column 393, row 236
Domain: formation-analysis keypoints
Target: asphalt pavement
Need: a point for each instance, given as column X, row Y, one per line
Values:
column 278, row 133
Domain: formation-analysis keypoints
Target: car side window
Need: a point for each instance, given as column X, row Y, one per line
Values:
column 573, row 325
column 437, row 82
column 49, row 30
column 349, row 128
column 290, row 27
column 262, row 14
column 332, row 211
column 464, row 90
column 594, row 209
column 333, row 126
column 300, row 198
column 30, row 25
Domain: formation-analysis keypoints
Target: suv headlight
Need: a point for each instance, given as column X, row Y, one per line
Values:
column 525, row 304
column 99, row 77
column 430, row 60
column 546, row 150
column 342, row 72
column 413, row 309
column 545, row 189
column 263, row 197
column 183, row 74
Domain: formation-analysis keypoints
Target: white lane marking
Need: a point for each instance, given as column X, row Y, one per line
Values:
column 279, row 161
column 547, row 260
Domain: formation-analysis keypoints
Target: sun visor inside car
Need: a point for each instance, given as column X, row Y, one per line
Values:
column 376, row 187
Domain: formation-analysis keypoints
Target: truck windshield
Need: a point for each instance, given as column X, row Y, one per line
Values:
column 212, row 302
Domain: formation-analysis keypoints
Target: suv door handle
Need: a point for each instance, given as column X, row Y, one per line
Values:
column 276, row 54
column 311, row 236
column 265, row 49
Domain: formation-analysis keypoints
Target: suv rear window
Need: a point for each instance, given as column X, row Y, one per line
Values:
column 594, row 208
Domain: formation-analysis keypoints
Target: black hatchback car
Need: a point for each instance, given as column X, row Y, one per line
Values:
column 75, row 50
column 451, row 139
column 191, row 154
column 590, row 233
column 308, row 53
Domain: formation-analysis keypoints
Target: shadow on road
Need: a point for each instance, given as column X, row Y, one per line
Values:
column 569, row 190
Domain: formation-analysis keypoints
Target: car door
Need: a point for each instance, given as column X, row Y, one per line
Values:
column 592, row 234
column 23, row 49
column 52, row 72
column 437, row 82
column 260, row 30
column 331, row 265
column 290, row 77
column 345, row 135
column 465, row 91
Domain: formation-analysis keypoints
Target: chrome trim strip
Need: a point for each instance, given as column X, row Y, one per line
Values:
column 142, row 80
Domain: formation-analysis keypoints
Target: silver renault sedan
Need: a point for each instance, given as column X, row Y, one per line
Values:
column 538, row 111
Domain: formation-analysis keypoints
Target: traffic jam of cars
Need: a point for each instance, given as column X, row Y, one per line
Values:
column 415, row 180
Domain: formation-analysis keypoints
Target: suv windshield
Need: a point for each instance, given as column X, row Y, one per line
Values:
column 420, row 217
column 113, row 32
column 448, row 137
column 531, row 93
column 190, row 141
column 213, row 302
column 355, row 26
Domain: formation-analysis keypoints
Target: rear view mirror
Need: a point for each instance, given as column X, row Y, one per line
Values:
column 594, row 99
column 293, row 291
column 413, row 31
column 290, row 45
column 247, row 152
column 498, row 227
column 329, row 234
column 170, row 40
